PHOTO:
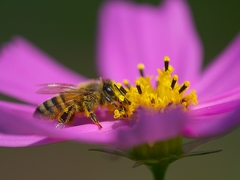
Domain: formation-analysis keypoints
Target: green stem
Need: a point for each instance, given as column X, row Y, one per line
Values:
column 158, row 170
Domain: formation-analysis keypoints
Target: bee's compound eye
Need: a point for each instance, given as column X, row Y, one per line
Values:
column 108, row 90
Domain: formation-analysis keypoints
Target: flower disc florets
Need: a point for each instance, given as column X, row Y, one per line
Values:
column 166, row 94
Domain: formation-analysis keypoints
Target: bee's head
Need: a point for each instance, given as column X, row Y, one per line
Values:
column 114, row 92
column 108, row 88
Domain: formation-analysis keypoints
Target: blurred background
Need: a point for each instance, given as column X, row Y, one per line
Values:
column 67, row 32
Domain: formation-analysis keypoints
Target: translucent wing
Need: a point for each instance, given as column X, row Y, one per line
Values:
column 55, row 88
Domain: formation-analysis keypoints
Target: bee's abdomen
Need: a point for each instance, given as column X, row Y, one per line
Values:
column 50, row 108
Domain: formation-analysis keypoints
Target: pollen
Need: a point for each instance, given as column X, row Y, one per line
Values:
column 160, row 96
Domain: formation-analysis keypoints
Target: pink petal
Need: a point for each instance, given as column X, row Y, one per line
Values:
column 223, row 74
column 230, row 95
column 229, row 98
column 212, row 124
column 132, row 33
column 22, row 141
column 153, row 128
column 23, row 66
column 216, row 109
column 16, row 120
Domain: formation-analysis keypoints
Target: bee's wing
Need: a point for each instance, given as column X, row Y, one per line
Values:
column 55, row 88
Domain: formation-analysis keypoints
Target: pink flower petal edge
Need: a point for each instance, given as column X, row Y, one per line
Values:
column 7, row 140
column 212, row 121
column 222, row 75
column 132, row 33
column 215, row 109
column 23, row 67
column 230, row 95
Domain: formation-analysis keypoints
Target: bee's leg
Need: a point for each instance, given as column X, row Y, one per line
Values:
column 92, row 115
column 110, row 101
column 67, row 116
column 61, row 124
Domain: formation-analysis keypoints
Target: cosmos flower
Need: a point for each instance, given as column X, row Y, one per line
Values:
column 129, row 34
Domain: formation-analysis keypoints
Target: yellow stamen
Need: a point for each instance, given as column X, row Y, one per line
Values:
column 126, row 83
column 184, row 86
column 141, row 68
column 138, row 85
column 168, row 94
column 166, row 58
column 166, row 62
column 174, row 80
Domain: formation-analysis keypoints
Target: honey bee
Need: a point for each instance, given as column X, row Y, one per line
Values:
column 84, row 98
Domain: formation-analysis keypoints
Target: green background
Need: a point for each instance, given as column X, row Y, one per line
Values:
column 66, row 30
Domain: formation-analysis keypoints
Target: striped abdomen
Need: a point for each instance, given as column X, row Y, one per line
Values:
column 54, row 107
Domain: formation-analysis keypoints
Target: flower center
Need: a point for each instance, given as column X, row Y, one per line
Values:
column 166, row 94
